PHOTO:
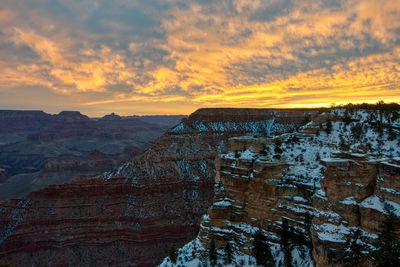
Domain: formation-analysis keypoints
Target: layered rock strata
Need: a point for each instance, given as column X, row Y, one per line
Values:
column 39, row 149
column 358, row 189
column 332, row 186
column 133, row 215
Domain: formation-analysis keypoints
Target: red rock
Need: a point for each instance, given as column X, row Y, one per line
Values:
column 133, row 215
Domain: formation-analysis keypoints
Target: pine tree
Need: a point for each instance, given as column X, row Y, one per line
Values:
column 347, row 118
column 387, row 251
column 288, row 256
column 278, row 144
column 328, row 126
column 285, row 236
column 194, row 250
column 228, row 253
column 285, row 232
column 261, row 250
column 212, row 253
column 172, row 254
column 353, row 253
column 307, row 225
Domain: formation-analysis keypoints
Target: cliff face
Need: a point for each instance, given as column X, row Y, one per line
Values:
column 133, row 215
column 358, row 188
column 322, row 181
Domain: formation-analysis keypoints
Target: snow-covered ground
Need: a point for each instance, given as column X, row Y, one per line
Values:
column 194, row 254
column 305, row 153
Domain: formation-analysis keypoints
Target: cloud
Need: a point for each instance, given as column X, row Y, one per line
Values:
column 218, row 53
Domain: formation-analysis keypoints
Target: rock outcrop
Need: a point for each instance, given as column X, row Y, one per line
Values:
column 253, row 191
column 133, row 215
column 357, row 190
column 314, row 184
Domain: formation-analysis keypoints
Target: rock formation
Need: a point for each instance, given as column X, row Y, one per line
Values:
column 133, row 215
column 331, row 187
column 357, row 190
column 39, row 149
column 20, row 121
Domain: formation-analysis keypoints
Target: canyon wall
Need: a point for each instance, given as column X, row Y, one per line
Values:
column 326, row 187
column 39, row 149
column 134, row 214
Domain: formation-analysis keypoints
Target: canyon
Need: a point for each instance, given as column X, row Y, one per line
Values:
column 133, row 215
column 38, row 149
column 326, row 176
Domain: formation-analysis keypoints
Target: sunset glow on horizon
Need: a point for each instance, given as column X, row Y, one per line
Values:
column 173, row 56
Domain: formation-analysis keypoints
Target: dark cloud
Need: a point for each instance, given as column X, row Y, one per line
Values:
column 203, row 52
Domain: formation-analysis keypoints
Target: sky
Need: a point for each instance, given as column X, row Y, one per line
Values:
column 173, row 56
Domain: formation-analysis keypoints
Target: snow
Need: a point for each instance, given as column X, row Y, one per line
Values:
column 389, row 190
column 248, row 154
column 222, row 203
column 295, row 209
column 349, row 201
column 330, row 216
column 306, row 159
column 194, row 254
column 130, row 204
column 16, row 216
column 332, row 233
column 184, row 168
column 391, row 164
column 265, row 127
column 178, row 128
column 395, row 207
column 358, row 155
column 336, row 160
column 356, row 184
column 300, row 199
column 373, row 202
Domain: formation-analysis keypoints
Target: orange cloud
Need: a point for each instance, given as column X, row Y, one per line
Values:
column 223, row 54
